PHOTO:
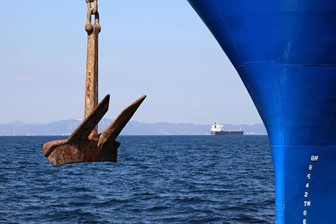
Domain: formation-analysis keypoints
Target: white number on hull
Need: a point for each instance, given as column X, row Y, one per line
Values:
column 314, row 158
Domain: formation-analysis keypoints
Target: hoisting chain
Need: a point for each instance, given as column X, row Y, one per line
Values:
column 92, row 11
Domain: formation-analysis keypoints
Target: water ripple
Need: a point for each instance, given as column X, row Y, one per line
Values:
column 158, row 179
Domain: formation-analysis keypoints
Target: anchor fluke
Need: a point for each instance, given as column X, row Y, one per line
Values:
column 90, row 122
column 83, row 131
column 112, row 132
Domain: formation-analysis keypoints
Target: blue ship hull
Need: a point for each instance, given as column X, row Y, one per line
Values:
column 285, row 54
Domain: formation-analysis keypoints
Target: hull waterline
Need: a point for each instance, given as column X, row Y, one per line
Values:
column 284, row 52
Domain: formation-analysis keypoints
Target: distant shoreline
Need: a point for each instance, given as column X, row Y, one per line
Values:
column 66, row 127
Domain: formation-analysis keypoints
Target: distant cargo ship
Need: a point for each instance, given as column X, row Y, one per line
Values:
column 218, row 129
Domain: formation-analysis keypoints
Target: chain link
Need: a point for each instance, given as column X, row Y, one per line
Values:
column 92, row 11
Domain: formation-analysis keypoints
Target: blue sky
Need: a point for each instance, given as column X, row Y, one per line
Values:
column 155, row 47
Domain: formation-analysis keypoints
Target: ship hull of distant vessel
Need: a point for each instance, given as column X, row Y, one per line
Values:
column 228, row 133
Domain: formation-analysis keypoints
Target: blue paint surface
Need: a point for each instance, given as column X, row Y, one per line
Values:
column 284, row 52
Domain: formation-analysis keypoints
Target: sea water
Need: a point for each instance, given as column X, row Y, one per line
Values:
column 158, row 179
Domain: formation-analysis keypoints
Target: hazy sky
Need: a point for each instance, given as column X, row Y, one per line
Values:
column 155, row 47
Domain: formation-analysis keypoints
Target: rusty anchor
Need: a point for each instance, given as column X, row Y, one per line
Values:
column 85, row 144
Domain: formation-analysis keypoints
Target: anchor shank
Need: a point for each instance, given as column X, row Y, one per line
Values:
column 91, row 87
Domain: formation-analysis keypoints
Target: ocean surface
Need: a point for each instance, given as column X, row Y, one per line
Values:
column 158, row 179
